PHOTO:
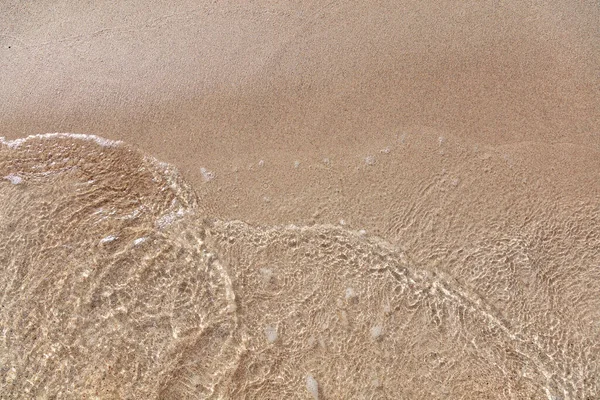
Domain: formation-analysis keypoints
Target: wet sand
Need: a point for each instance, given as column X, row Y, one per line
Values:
column 465, row 135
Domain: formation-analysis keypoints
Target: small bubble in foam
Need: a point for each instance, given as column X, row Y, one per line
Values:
column 14, row 179
column 271, row 333
column 108, row 239
column 350, row 293
column 376, row 332
column 296, row 164
column 312, row 386
column 207, row 175
column 261, row 163
column 370, row 160
column 387, row 309
column 165, row 220
column 266, row 275
column 139, row 241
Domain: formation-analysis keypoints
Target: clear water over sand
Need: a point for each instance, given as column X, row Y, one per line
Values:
column 119, row 284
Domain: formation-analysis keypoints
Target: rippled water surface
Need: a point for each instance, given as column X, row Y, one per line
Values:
column 116, row 283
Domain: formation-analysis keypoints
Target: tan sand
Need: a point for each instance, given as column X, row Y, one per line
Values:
column 462, row 134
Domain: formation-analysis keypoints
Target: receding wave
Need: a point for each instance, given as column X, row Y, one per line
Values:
column 115, row 284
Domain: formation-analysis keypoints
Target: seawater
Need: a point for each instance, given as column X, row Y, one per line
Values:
column 115, row 283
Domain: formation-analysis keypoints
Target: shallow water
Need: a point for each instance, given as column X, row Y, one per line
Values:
column 117, row 283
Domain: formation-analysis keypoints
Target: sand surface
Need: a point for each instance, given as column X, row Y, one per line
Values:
column 452, row 146
column 223, row 85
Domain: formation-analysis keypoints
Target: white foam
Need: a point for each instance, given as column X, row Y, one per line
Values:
column 296, row 164
column 266, row 274
column 376, row 332
column 261, row 163
column 370, row 160
column 14, row 179
column 139, row 241
column 350, row 293
column 108, row 239
column 312, row 386
column 271, row 333
column 13, row 144
column 165, row 220
column 207, row 175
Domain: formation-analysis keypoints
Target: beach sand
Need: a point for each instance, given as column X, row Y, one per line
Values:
column 455, row 141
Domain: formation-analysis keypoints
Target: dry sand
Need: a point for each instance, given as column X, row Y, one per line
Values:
column 455, row 142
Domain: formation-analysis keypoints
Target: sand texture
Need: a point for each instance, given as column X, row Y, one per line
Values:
column 311, row 200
